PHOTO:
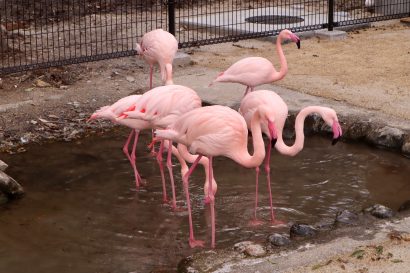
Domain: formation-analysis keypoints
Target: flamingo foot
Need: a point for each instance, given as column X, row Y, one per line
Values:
column 165, row 200
column 255, row 222
column 277, row 223
column 196, row 243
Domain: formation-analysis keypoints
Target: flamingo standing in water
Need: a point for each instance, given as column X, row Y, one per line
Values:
column 111, row 112
column 254, row 71
column 278, row 113
column 166, row 104
column 215, row 131
column 158, row 46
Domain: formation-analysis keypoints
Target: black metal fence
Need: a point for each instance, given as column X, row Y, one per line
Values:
column 44, row 33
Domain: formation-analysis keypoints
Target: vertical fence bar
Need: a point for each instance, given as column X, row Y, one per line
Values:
column 171, row 17
column 330, row 15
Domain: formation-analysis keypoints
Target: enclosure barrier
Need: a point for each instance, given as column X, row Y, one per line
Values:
column 45, row 33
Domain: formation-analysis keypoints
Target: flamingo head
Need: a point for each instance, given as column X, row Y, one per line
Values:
column 92, row 117
column 330, row 117
column 291, row 36
column 272, row 132
column 139, row 49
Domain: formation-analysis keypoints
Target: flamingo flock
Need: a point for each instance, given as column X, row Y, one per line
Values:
column 176, row 115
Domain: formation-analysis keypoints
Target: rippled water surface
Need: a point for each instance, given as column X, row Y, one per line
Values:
column 82, row 213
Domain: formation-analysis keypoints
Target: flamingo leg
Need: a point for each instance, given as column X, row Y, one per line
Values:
column 267, row 169
column 153, row 153
column 192, row 242
column 130, row 157
column 171, row 175
column 161, row 168
column 212, row 202
column 133, row 160
column 151, row 70
column 255, row 221
column 126, row 144
column 247, row 90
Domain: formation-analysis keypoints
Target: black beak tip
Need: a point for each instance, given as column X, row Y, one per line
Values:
column 335, row 140
column 273, row 142
column 298, row 44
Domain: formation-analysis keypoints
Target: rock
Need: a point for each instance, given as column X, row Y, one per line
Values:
column 387, row 137
column 1, row 83
column 241, row 246
column 250, row 249
column 380, row 211
column 3, row 199
column 346, row 217
column 405, row 149
column 130, row 78
column 10, row 186
column 41, row 83
column 302, row 230
column 277, row 239
column 405, row 206
column 3, row 166
column 255, row 250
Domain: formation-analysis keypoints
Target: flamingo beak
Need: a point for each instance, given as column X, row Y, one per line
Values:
column 295, row 39
column 92, row 117
column 122, row 116
column 272, row 133
column 337, row 132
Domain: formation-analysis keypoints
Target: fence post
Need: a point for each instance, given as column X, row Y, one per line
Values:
column 330, row 15
column 171, row 17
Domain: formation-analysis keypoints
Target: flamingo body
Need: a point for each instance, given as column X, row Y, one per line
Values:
column 159, row 47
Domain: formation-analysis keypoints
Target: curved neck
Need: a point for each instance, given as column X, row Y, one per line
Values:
column 243, row 157
column 293, row 150
column 283, row 63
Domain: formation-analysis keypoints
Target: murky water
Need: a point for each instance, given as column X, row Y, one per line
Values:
column 82, row 213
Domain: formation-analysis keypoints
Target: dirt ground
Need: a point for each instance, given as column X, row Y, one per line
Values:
column 369, row 69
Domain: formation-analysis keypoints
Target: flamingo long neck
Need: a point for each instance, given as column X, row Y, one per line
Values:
column 293, row 150
column 243, row 157
column 283, row 63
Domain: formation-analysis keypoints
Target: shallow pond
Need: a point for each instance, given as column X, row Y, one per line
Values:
column 82, row 213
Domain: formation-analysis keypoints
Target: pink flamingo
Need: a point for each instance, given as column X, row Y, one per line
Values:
column 254, row 71
column 158, row 46
column 279, row 112
column 166, row 104
column 215, row 131
column 110, row 112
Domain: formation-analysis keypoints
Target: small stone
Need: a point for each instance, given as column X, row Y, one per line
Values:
column 380, row 211
column 1, row 83
column 277, row 239
column 130, row 78
column 3, row 166
column 241, row 246
column 29, row 89
column 63, row 87
column 406, row 148
column 302, row 230
column 346, row 217
column 405, row 206
column 255, row 250
column 33, row 122
column 41, row 83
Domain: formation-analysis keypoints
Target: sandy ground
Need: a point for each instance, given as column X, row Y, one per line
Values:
column 370, row 69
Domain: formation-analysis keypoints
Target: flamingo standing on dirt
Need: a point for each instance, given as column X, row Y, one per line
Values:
column 215, row 131
column 254, row 71
column 166, row 104
column 158, row 46
column 279, row 112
